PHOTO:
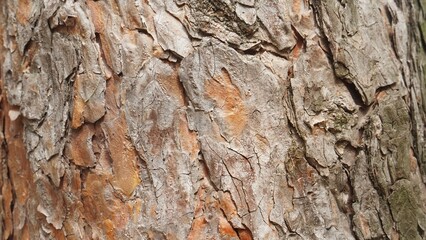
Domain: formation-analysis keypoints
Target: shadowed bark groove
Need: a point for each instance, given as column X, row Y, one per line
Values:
column 227, row 119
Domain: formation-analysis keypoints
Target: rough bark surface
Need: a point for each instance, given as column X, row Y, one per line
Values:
column 200, row 119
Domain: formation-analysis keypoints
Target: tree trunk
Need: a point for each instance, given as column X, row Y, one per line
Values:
column 200, row 119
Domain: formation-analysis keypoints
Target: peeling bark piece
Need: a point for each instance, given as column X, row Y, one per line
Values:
column 111, row 47
column 34, row 103
column 130, row 14
column 27, row 15
column 13, row 115
column 171, row 34
column 80, row 147
column 52, row 205
column 54, row 169
column 137, row 48
column 49, row 140
column 219, row 19
column 247, row 14
column 89, row 100
column 14, row 87
column 65, row 57
column 65, row 16
column 276, row 23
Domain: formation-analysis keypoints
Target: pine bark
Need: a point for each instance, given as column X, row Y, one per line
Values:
column 200, row 119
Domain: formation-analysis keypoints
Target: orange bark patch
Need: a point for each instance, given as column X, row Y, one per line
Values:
column 23, row 11
column 124, row 157
column 25, row 234
column 226, row 230
column 19, row 167
column 97, row 12
column 80, row 149
column 172, row 85
column 227, row 205
column 78, row 107
column 20, row 173
column 188, row 139
column 295, row 53
column 7, row 203
column 380, row 95
column 413, row 161
column 364, row 226
column 109, row 229
column 297, row 49
column 228, row 99
column 197, row 229
column 99, row 15
column 101, row 207
column 58, row 234
column 77, row 113
column 244, row 234
column 296, row 6
column 137, row 208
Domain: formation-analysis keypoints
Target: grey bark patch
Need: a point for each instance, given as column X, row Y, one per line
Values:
column 34, row 101
column 171, row 34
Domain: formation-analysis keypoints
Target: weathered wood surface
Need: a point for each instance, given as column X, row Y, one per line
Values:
column 227, row 119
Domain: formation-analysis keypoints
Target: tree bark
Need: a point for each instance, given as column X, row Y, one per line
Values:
column 199, row 119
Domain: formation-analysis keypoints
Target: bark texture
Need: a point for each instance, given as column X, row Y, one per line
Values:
column 200, row 119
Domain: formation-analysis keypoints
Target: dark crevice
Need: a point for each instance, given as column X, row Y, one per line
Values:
column 206, row 170
column 352, row 199
column 279, row 229
column 27, row 46
column 392, row 19
column 355, row 94
column 144, row 31
column 285, row 52
column 292, row 232
column 257, row 48
column 244, row 231
column 385, row 236
column 385, row 88
column 313, row 162
column 253, row 50
column 316, row 7
column 144, row 171
column 422, row 36
column 300, row 40
column 207, row 11
column 12, row 202
column 421, row 231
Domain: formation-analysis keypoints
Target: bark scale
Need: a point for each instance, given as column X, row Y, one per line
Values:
column 198, row 119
